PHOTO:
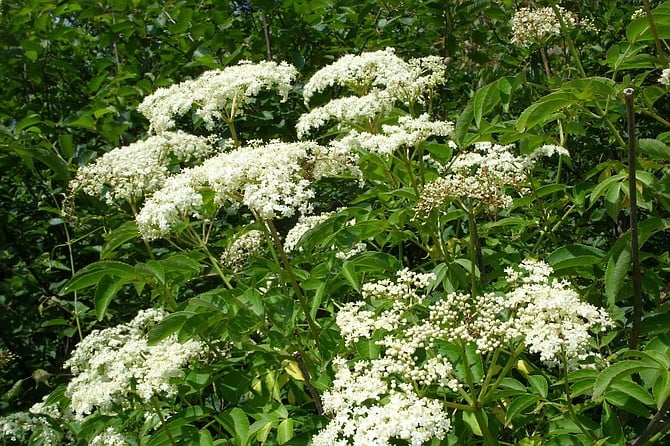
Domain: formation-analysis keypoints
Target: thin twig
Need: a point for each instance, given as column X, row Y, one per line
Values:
column 310, row 388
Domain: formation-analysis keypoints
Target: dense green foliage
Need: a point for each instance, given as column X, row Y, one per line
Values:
column 72, row 77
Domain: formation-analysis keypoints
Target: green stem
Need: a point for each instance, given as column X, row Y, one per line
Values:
column 313, row 328
column 566, row 34
column 654, row 32
column 482, row 421
column 490, row 373
column 202, row 244
column 510, row 363
column 571, row 408
column 157, row 409
column 632, row 196
column 68, row 240
column 472, row 239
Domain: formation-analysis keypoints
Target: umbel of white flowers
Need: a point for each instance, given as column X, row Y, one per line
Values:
column 373, row 401
column 108, row 364
column 273, row 180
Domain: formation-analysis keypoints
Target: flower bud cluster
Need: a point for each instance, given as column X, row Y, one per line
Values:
column 543, row 315
column 243, row 247
column 537, row 25
column 373, row 401
column 665, row 77
column 483, row 175
column 110, row 364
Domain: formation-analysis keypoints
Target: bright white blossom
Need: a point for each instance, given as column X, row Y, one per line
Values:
column 109, row 437
column 484, row 175
column 134, row 171
column 218, row 94
column 273, row 180
column 376, row 81
column 407, row 133
column 550, row 316
column 40, row 419
column 348, row 111
column 360, row 417
column 538, row 313
column 109, row 364
column 536, row 25
column 665, row 77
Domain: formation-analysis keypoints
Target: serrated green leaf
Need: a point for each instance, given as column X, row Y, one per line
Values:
column 576, row 255
column 124, row 233
column 235, row 421
column 107, row 288
column 544, row 110
column 654, row 148
column 348, row 271
column 617, row 370
column 518, row 405
column 285, row 431
column 539, row 385
column 486, row 98
column 170, row 324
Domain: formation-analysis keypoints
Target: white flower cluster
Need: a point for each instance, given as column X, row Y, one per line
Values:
column 216, row 94
column 531, row 25
column 638, row 14
column 39, row 419
column 109, row 437
column 408, row 133
column 376, row 80
column 541, row 314
column 373, row 402
column 665, row 77
column 483, row 175
column 550, row 316
column 134, row 171
column 274, row 180
column 246, row 245
column 109, row 364
column 360, row 418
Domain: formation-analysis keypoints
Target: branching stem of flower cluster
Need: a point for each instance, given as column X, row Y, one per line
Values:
column 157, row 409
column 510, row 363
column 202, row 244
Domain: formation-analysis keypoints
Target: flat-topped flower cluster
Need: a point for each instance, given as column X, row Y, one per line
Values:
column 132, row 172
column 543, row 315
column 484, row 176
column 376, row 81
column 273, row 180
column 537, row 25
column 112, row 365
column 217, row 94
